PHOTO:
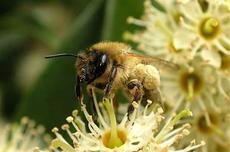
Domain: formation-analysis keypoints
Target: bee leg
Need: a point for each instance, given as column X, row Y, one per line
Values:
column 111, row 79
column 130, row 110
column 137, row 87
column 78, row 89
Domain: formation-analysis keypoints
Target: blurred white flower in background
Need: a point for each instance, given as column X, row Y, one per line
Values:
column 223, row 2
column 23, row 137
column 192, row 86
column 159, row 28
column 204, row 30
column 213, row 131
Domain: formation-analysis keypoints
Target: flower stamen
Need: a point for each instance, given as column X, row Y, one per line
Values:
column 191, row 83
column 112, row 139
column 209, row 28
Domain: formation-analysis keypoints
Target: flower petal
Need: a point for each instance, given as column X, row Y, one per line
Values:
column 183, row 39
column 212, row 57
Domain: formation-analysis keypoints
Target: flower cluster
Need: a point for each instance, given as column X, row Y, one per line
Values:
column 23, row 137
column 140, row 131
column 195, row 35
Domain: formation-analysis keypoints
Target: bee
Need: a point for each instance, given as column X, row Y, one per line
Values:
column 109, row 66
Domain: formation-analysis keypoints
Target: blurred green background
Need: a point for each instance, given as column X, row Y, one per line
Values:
column 31, row 29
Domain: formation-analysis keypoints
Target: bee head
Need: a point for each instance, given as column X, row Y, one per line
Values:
column 90, row 65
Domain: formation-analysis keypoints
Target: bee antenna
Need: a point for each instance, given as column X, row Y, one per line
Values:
column 62, row 55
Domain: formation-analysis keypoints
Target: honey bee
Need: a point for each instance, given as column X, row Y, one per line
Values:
column 108, row 66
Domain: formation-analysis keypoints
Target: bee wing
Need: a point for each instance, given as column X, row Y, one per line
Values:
column 158, row 62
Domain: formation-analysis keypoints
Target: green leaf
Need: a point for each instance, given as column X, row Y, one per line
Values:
column 52, row 97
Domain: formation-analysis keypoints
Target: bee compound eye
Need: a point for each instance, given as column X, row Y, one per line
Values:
column 103, row 59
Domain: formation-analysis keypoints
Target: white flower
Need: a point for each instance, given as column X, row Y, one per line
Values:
column 156, row 38
column 22, row 137
column 138, row 132
column 214, row 130
column 193, row 86
column 197, row 86
column 205, row 29
column 223, row 2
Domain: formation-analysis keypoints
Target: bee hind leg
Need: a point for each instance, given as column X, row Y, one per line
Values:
column 135, row 88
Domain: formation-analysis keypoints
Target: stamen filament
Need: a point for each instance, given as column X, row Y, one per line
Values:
column 190, row 88
column 64, row 145
column 169, row 125
column 217, row 130
column 164, row 29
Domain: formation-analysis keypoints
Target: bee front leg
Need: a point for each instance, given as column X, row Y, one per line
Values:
column 78, row 89
column 111, row 80
column 135, row 88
